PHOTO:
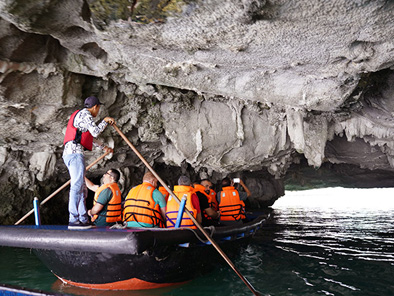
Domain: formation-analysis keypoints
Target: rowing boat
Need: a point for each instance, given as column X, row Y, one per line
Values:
column 128, row 258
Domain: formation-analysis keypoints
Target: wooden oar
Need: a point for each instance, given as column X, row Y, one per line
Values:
column 254, row 291
column 60, row 189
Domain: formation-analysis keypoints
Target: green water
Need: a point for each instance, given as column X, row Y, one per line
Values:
column 331, row 247
column 22, row 268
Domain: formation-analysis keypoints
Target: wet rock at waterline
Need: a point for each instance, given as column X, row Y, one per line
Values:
column 208, row 88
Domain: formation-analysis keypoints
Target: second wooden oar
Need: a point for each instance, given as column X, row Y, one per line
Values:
column 60, row 189
column 254, row 291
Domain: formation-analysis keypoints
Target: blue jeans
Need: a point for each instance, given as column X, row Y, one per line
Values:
column 78, row 191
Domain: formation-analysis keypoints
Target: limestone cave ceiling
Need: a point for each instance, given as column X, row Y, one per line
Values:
column 225, row 86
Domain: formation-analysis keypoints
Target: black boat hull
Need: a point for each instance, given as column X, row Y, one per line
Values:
column 128, row 259
column 159, row 267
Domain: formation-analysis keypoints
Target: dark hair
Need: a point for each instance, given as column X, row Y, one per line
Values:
column 184, row 180
column 115, row 174
column 207, row 180
column 226, row 182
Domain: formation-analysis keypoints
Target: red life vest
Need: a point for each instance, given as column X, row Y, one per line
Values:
column 173, row 207
column 114, row 207
column 140, row 206
column 231, row 207
column 73, row 134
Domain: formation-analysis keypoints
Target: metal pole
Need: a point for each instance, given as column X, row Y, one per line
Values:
column 181, row 211
column 36, row 206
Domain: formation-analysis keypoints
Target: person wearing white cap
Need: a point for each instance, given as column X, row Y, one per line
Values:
column 80, row 133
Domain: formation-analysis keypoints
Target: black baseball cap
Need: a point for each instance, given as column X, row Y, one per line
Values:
column 91, row 102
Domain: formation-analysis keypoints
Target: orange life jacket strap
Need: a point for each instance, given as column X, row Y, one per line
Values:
column 237, row 212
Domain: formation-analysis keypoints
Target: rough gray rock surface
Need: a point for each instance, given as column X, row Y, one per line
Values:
column 207, row 87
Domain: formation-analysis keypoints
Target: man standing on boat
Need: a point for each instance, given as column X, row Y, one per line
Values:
column 231, row 201
column 81, row 129
column 107, row 202
column 145, row 206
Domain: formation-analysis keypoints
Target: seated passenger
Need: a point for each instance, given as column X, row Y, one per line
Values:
column 209, row 215
column 231, row 205
column 192, row 204
column 211, row 193
column 107, row 203
column 145, row 205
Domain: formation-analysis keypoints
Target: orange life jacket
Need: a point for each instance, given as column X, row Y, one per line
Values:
column 212, row 200
column 114, row 207
column 200, row 188
column 164, row 192
column 73, row 134
column 173, row 207
column 140, row 206
column 231, row 207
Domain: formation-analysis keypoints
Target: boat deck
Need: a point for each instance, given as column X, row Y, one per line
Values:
column 92, row 229
column 118, row 240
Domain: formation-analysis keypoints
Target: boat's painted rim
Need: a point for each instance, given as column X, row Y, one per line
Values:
column 130, row 284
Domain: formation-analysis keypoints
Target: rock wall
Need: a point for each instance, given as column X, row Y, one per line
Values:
column 208, row 88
